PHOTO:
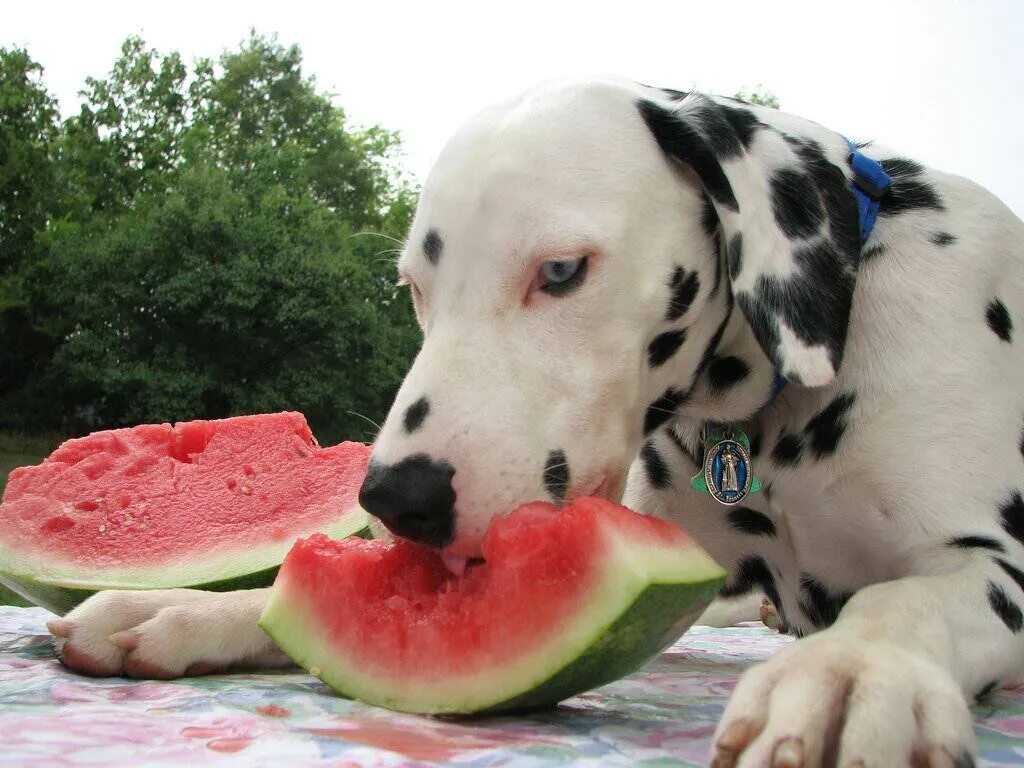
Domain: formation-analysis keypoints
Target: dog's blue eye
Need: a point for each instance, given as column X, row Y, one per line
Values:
column 558, row 278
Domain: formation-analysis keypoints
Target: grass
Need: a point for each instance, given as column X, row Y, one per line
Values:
column 19, row 450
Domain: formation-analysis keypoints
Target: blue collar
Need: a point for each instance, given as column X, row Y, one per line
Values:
column 869, row 184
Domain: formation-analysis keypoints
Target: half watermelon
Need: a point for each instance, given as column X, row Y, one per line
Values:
column 204, row 504
column 565, row 600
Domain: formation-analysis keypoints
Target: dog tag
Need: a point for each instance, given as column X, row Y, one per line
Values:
column 727, row 473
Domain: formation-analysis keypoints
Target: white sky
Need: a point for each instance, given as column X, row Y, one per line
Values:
column 940, row 80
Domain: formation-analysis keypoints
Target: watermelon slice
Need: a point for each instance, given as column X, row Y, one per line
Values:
column 204, row 504
column 564, row 601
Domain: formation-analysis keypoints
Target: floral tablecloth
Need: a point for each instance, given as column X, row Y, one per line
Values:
column 663, row 715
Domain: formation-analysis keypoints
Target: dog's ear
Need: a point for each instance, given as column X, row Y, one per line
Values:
column 789, row 226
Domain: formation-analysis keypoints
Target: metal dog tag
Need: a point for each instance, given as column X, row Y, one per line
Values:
column 727, row 473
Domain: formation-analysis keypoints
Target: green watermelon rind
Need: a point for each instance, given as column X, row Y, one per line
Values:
column 646, row 599
column 250, row 568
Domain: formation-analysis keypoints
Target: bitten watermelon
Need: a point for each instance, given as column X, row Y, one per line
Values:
column 205, row 504
column 564, row 601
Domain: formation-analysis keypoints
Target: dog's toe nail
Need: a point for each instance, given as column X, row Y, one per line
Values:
column 126, row 641
column 788, row 753
column 939, row 758
column 732, row 741
column 59, row 627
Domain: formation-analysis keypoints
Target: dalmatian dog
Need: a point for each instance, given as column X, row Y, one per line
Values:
column 602, row 269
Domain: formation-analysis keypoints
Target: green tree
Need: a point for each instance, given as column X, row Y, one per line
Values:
column 210, row 258
column 759, row 96
column 28, row 131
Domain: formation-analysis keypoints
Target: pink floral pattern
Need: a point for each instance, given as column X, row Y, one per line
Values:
column 663, row 715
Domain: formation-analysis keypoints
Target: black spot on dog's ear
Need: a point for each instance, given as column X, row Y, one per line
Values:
column 664, row 346
column 1011, row 512
column 821, row 606
column 678, row 139
column 751, row 572
column 787, row 449
column 657, row 470
column 556, row 475
column 735, row 255
column 683, row 287
column 415, row 414
column 1005, row 608
column 999, row 319
column 796, row 204
column 942, row 238
column 432, row 246
column 662, row 409
column 976, row 542
column 908, row 191
column 726, row 372
column 871, row 253
column 1011, row 571
column 751, row 521
column 826, row 428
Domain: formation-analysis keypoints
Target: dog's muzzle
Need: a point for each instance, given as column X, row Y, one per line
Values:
column 413, row 498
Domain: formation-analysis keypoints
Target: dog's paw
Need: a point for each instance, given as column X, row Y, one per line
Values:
column 829, row 700
column 163, row 634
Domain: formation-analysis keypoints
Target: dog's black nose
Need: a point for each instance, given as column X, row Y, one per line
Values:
column 413, row 498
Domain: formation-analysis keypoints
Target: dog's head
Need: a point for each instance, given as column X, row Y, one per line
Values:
column 573, row 262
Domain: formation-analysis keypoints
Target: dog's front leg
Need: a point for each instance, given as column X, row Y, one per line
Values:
column 887, row 684
column 166, row 633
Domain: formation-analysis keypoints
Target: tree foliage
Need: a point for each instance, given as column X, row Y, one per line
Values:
column 205, row 256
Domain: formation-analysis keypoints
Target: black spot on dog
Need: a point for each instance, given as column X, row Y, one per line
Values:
column 674, row 94
column 908, row 191
column 751, row 521
column 1011, row 571
column 871, row 253
column 986, row 690
column 750, row 573
column 787, row 449
column 743, row 122
column 415, row 414
column 735, row 255
column 677, row 441
column 815, row 302
column 826, row 428
column 662, row 409
column 1012, row 513
column 726, row 372
column 556, row 475
column 900, row 167
column 942, row 238
column 1005, row 608
column 680, row 140
column 820, row 605
column 432, row 246
column 664, row 346
column 658, row 473
column 796, row 204
column 710, row 223
column 683, row 287
column 999, row 319
column 977, row 542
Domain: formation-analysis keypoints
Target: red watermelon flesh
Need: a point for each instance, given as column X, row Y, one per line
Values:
column 160, row 505
column 564, row 600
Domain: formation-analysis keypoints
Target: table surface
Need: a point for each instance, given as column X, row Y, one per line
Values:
column 663, row 715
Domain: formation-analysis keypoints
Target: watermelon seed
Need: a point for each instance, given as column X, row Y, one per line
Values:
column 314, row 671
column 103, row 527
column 246, row 490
